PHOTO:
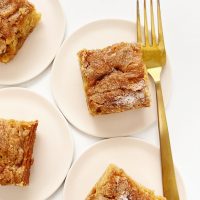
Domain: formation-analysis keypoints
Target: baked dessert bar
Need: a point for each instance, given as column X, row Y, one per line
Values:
column 17, row 20
column 115, row 78
column 16, row 148
column 116, row 185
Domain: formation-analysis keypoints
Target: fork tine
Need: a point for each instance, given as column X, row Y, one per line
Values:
column 146, row 30
column 160, row 29
column 139, row 33
column 153, row 34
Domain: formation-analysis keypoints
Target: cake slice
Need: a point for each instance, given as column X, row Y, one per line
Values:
column 16, row 148
column 116, row 185
column 18, row 18
column 115, row 78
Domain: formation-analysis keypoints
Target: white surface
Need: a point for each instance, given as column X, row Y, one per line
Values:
column 40, row 47
column 180, row 22
column 53, row 149
column 67, row 84
column 131, row 155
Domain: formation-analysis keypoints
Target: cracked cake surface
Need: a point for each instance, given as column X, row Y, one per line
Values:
column 115, row 78
column 16, row 148
column 115, row 184
column 18, row 18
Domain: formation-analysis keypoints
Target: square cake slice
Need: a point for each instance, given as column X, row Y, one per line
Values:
column 115, row 78
column 18, row 18
column 116, row 185
column 16, row 148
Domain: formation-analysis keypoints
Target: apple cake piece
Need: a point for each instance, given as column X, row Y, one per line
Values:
column 18, row 18
column 16, row 148
column 115, row 78
column 115, row 184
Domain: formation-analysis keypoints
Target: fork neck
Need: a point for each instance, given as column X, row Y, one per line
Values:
column 155, row 73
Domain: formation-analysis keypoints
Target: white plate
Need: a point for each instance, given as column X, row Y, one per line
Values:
column 67, row 83
column 139, row 159
column 53, row 150
column 40, row 47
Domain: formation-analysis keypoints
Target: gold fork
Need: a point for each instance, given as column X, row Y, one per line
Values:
column 154, row 56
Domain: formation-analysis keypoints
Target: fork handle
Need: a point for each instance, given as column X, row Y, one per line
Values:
column 170, row 189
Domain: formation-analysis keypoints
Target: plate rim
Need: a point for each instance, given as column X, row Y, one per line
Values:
column 52, row 80
column 51, row 60
column 138, row 140
column 71, row 139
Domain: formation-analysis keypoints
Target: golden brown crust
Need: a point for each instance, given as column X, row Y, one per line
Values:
column 115, row 184
column 115, row 78
column 16, row 147
column 17, row 20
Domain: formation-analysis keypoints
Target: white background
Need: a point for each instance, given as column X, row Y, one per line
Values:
column 182, row 37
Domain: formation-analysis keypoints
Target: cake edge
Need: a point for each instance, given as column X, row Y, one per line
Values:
column 28, row 157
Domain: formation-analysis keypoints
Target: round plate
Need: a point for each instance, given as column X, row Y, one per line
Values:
column 53, row 149
column 67, row 83
column 139, row 159
column 40, row 48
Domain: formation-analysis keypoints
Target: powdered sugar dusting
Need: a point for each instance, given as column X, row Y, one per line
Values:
column 130, row 99
column 123, row 197
column 137, row 86
column 126, row 100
